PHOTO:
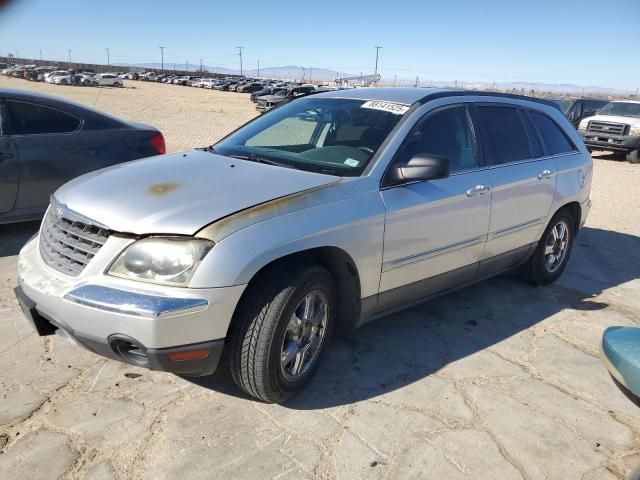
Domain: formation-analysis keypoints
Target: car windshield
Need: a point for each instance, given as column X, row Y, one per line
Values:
column 622, row 109
column 333, row 136
column 565, row 105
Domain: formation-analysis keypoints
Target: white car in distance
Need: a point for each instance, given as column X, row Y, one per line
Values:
column 108, row 80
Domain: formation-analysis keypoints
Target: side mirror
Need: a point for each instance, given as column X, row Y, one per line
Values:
column 422, row 167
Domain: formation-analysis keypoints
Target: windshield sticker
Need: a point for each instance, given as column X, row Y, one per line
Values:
column 351, row 162
column 396, row 108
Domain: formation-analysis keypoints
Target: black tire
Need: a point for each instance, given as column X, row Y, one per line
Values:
column 117, row 84
column 63, row 82
column 260, row 326
column 535, row 270
column 633, row 156
column 87, row 83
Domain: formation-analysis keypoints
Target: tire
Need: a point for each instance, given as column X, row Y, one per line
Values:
column 263, row 329
column 87, row 83
column 539, row 269
column 117, row 84
column 63, row 82
column 633, row 156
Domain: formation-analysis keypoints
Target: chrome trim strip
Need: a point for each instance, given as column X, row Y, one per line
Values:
column 516, row 228
column 419, row 257
column 61, row 210
column 130, row 303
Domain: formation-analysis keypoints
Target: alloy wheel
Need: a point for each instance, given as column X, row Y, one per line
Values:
column 304, row 335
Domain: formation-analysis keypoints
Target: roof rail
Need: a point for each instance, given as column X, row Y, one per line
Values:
column 468, row 93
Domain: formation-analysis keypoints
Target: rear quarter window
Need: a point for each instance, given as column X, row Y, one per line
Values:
column 553, row 136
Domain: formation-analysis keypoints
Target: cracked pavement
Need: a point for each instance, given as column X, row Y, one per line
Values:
column 500, row 380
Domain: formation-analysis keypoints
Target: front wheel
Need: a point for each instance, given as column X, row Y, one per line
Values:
column 552, row 254
column 633, row 156
column 280, row 331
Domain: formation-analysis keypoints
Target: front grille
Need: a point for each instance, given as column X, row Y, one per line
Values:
column 607, row 128
column 67, row 244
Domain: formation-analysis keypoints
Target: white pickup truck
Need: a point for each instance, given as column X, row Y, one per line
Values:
column 616, row 127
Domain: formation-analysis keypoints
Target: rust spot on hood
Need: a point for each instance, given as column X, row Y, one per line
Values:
column 160, row 189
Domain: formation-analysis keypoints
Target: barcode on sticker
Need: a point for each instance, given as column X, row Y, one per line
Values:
column 390, row 107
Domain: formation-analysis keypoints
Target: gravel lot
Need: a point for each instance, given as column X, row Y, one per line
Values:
column 500, row 380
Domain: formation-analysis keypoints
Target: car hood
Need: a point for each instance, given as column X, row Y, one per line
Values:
column 180, row 193
column 633, row 121
column 271, row 98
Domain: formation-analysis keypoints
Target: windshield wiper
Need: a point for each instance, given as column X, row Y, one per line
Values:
column 255, row 158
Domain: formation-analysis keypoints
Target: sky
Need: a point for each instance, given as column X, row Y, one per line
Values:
column 580, row 42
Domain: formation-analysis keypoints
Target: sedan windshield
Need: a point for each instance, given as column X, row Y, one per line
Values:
column 623, row 109
column 333, row 136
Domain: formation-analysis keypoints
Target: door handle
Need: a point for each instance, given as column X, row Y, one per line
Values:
column 6, row 156
column 478, row 190
column 545, row 174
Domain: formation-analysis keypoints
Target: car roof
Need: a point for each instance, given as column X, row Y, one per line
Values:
column 625, row 101
column 409, row 96
column 395, row 95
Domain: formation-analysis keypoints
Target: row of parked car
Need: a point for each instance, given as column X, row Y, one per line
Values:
column 59, row 76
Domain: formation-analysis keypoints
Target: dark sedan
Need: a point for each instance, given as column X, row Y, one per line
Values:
column 46, row 141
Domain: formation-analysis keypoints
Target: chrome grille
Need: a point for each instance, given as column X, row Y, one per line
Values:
column 67, row 244
column 607, row 128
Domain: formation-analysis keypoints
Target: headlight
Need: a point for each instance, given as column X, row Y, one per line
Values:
column 583, row 125
column 635, row 131
column 164, row 260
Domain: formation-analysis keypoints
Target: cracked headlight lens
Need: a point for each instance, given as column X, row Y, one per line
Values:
column 163, row 260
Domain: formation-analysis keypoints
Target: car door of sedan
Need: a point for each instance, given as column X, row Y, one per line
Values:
column 9, row 169
column 435, row 231
column 41, row 136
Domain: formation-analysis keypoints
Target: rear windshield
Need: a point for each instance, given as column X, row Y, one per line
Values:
column 333, row 136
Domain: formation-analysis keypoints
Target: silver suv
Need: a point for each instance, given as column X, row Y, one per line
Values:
column 322, row 214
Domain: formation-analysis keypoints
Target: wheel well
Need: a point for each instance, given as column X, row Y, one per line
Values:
column 343, row 269
column 575, row 211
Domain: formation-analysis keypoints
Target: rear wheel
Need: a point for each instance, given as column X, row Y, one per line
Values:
column 552, row 254
column 117, row 84
column 63, row 82
column 633, row 156
column 280, row 331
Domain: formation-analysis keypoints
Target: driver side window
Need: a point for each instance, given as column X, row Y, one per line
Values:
column 447, row 132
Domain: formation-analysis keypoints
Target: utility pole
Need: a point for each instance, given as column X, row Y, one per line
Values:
column 162, row 58
column 186, row 63
column 240, row 54
column 17, row 54
column 69, row 52
column 200, row 65
column 40, row 54
column 258, row 68
column 377, row 52
column 394, row 80
column 108, row 59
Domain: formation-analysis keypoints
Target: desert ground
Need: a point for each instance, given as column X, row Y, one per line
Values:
column 500, row 380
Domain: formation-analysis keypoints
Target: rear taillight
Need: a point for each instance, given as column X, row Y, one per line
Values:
column 157, row 142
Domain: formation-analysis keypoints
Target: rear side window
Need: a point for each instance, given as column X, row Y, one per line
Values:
column 29, row 119
column 553, row 137
column 506, row 137
column 534, row 139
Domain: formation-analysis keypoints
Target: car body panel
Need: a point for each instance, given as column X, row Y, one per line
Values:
column 180, row 193
column 620, row 351
column 417, row 244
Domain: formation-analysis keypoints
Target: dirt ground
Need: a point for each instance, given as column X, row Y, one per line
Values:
column 500, row 380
